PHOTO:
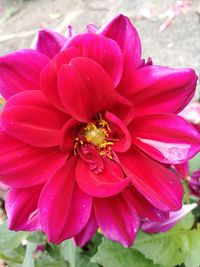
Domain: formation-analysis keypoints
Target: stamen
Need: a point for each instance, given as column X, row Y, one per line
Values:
column 97, row 133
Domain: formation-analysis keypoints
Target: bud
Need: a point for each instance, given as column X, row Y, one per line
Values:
column 174, row 218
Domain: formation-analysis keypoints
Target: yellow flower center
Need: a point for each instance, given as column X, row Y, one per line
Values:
column 98, row 134
column 95, row 135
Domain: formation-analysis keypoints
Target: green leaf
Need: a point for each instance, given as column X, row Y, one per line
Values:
column 45, row 260
column 53, row 250
column 10, row 239
column 13, row 257
column 194, row 163
column 37, row 237
column 28, row 260
column 177, row 246
column 83, row 259
column 111, row 254
column 68, row 251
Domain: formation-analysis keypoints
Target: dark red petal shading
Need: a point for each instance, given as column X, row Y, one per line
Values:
column 104, row 51
column 167, row 138
column 123, row 32
column 49, row 42
column 85, row 88
column 48, row 77
column 123, row 109
column 117, row 218
column 29, row 117
column 107, row 183
column 88, row 231
column 160, row 186
column 22, row 165
column 158, row 89
column 21, row 208
column 64, row 208
column 120, row 130
column 143, row 207
column 20, row 71
column 68, row 135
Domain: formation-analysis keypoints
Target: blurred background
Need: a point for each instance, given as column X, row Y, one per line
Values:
column 169, row 29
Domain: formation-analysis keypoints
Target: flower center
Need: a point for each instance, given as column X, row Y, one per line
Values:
column 94, row 135
column 97, row 133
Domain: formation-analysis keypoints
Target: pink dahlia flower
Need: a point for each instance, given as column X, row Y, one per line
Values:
column 87, row 131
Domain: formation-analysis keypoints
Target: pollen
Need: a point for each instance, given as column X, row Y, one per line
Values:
column 95, row 135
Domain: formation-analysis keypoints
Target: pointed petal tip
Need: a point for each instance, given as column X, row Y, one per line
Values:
column 49, row 42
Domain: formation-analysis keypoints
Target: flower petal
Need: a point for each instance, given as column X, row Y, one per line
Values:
column 123, row 109
column 85, row 88
column 49, row 42
column 104, row 51
column 174, row 218
column 167, row 138
column 68, row 135
column 91, row 28
column 117, row 218
column 48, row 78
column 182, row 169
column 64, row 209
column 121, row 132
column 22, row 165
column 29, row 117
column 123, row 32
column 20, row 71
column 143, row 207
column 157, row 89
column 109, row 182
column 88, row 231
column 160, row 186
column 21, row 208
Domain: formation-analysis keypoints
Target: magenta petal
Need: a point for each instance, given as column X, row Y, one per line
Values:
column 48, row 78
column 22, row 165
column 143, row 207
column 109, row 182
column 158, row 89
column 121, row 132
column 20, row 71
column 68, row 135
column 123, row 109
column 89, row 154
column 167, row 138
column 21, row 208
column 123, row 32
column 49, row 42
column 91, row 28
column 117, row 218
column 88, row 231
column 85, row 88
column 29, row 117
column 160, row 186
column 103, row 50
column 174, row 218
column 182, row 169
column 64, row 208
